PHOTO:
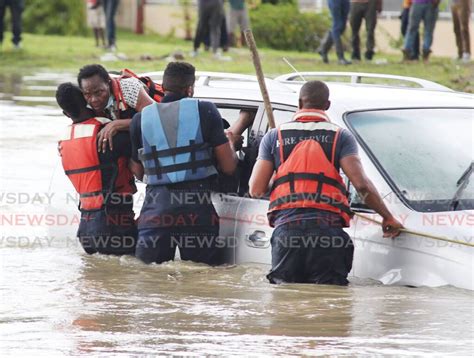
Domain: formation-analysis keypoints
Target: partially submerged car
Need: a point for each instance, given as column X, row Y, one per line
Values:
column 416, row 145
column 416, row 142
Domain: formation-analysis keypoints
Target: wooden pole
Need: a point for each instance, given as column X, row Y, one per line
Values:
column 261, row 80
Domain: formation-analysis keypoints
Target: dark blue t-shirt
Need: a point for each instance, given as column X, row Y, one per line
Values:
column 268, row 150
column 180, row 204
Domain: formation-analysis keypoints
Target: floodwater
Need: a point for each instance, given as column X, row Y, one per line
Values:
column 56, row 300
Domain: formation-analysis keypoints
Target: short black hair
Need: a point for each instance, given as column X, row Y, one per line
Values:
column 89, row 71
column 70, row 99
column 178, row 76
column 315, row 94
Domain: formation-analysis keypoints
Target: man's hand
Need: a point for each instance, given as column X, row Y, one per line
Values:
column 262, row 174
column 105, row 136
column 391, row 227
column 235, row 140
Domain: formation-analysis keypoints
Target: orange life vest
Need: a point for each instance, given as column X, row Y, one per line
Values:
column 307, row 176
column 81, row 164
column 155, row 91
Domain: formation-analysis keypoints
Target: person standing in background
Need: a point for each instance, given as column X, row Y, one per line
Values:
column 96, row 20
column 16, row 8
column 211, row 13
column 404, row 16
column 110, row 9
column 238, row 15
column 364, row 10
column 426, row 10
column 461, row 10
column 339, row 13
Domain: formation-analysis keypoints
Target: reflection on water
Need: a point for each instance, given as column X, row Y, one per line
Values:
column 57, row 300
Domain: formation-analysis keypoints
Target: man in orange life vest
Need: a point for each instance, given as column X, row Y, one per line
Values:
column 103, row 180
column 308, row 199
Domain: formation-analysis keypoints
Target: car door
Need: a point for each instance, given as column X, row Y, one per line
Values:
column 252, row 231
column 227, row 200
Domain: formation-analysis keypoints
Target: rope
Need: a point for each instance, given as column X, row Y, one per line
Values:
column 418, row 233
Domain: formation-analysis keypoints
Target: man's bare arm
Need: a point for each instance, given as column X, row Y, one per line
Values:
column 352, row 167
column 226, row 158
column 260, row 179
column 136, row 169
column 143, row 100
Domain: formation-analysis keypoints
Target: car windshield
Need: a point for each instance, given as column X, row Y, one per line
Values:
column 422, row 152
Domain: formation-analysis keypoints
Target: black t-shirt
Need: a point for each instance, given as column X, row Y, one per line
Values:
column 180, row 204
column 122, row 148
column 117, row 218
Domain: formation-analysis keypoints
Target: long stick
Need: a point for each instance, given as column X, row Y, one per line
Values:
column 261, row 80
column 418, row 233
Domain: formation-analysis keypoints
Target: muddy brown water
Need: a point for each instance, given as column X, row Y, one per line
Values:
column 56, row 300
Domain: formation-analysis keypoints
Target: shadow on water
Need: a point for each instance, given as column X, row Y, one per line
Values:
column 58, row 300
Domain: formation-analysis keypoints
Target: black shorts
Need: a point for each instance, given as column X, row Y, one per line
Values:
column 195, row 243
column 308, row 252
column 109, row 233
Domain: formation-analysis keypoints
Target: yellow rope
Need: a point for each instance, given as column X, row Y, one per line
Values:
column 417, row 233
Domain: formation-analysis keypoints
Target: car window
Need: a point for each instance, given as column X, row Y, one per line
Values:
column 231, row 115
column 422, row 152
column 282, row 116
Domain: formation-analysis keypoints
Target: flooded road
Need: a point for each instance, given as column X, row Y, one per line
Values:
column 56, row 300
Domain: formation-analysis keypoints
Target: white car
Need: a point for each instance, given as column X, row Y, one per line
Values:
column 416, row 145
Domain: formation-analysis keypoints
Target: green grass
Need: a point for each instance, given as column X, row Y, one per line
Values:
column 149, row 52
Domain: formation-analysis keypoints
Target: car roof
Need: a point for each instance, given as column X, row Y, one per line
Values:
column 344, row 96
column 351, row 97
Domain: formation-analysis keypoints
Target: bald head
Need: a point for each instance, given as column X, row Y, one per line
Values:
column 314, row 95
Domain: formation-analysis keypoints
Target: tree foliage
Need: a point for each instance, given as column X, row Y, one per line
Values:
column 284, row 27
column 55, row 17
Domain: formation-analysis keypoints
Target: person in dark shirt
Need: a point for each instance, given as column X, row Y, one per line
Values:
column 180, row 150
column 16, row 9
column 103, row 179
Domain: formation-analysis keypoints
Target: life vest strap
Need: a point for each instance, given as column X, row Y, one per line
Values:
column 91, row 194
column 178, row 167
column 317, row 198
column 88, row 169
column 172, row 151
column 320, row 178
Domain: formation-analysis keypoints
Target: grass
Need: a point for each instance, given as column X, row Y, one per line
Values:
column 149, row 53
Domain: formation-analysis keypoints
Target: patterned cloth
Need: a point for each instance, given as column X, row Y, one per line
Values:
column 130, row 89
